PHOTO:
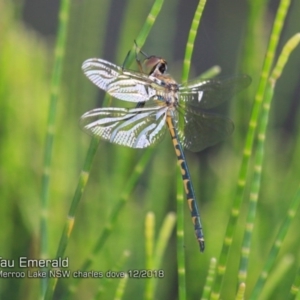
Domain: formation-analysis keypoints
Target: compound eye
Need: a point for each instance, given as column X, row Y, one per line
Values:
column 162, row 68
column 151, row 64
column 152, row 61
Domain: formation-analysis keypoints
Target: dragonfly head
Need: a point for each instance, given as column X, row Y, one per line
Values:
column 156, row 65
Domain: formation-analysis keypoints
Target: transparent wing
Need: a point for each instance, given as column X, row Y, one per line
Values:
column 134, row 128
column 198, row 130
column 210, row 93
column 119, row 83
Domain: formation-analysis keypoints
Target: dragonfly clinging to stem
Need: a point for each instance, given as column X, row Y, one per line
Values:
column 161, row 103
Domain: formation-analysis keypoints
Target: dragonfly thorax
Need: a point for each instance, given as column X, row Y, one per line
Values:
column 166, row 87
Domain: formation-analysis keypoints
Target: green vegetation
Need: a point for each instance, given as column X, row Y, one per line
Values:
column 112, row 209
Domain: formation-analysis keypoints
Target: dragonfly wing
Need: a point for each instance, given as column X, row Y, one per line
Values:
column 119, row 83
column 198, row 130
column 134, row 128
column 210, row 93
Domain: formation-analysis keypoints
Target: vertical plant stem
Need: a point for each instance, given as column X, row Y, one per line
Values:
column 180, row 190
column 240, row 295
column 121, row 288
column 83, row 178
column 130, row 184
column 294, row 206
column 180, row 239
column 71, row 216
column 209, row 279
column 103, row 286
column 144, row 32
column 191, row 40
column 155, row 250
column 278, row 274
column 149, row 238
column 259, row 155
column 54, row 92
column 161, row 245
column 273, row 42
column 295, row 288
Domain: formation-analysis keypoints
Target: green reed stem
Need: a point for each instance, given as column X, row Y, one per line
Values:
column 155, row 250
column 180, row 238
column 180, row 191
column 265, row 273
column 130, row 184
column 295, row 288
column 144, row 32
column 142, row 36
column 121, row 288
column 278, row 275
column 54, row 92
column 106, row 280
column 240, row 295
column 210, row 73
column 162, row 241
column 155, row 10
column 149, row 247
column 83, row 178
column 191, row 40
column 209, row 279
column 232, row 223
column 294, row 206
column 259, row 156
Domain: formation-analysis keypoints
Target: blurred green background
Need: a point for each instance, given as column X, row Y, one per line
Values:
column 106, row 29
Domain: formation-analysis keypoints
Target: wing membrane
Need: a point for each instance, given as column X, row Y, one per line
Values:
column 134, row 128
column 210, row 93
column 122, row 84
column 145, row 125
column 200, row 130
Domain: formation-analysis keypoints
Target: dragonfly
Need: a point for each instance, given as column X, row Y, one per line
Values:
column 161, row 104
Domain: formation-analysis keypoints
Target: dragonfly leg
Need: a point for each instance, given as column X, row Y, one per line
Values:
column 137, row 51
column 125, row 60
column 140, row 104
column 138, row 61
